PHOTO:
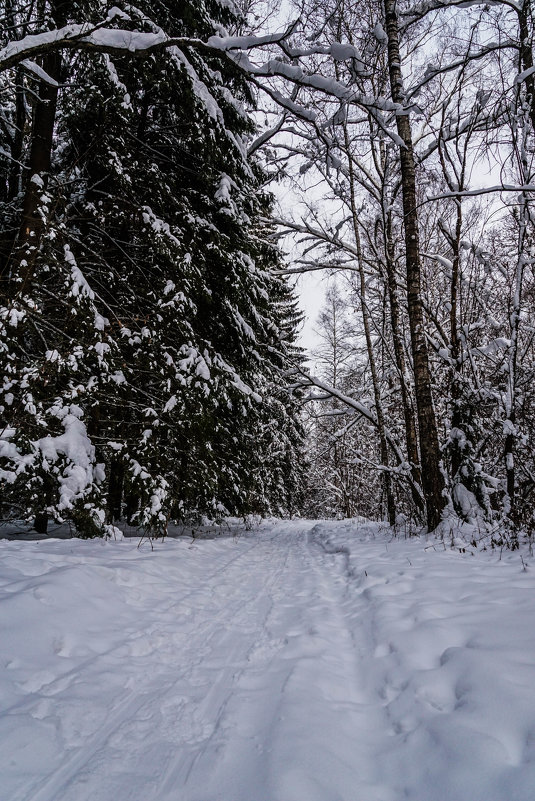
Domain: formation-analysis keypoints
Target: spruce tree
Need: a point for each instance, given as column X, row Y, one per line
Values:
column 145, row 355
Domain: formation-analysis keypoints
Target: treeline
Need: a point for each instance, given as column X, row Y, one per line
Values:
column 420, row 162
column 148, row 341
column 144, row 332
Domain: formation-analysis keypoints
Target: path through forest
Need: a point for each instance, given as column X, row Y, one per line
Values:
column 301, row 661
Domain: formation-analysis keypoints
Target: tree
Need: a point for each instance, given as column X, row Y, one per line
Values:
column 432, row 478
column 144, row 330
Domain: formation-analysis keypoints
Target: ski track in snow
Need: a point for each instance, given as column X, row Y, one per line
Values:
column 299, row 662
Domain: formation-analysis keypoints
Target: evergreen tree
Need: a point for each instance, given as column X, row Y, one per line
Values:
column 143, row 355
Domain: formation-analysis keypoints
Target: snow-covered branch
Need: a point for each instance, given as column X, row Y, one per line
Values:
column 420, row 10
column 118, row 41
column 369, row 415
column 485, row 190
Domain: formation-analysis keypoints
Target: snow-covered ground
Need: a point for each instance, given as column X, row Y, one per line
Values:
column 300, row 661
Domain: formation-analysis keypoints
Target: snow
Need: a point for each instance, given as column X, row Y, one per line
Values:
column 523, row 76
column 28, row 44
column 116, row 13
column 200, row 89
column 379, row 33
column 79, row 282
column 78, row 473
column 31, row 66
column 159, row 226
column 116, row 81
column 171, row 403
column 299, row 661
column 38, row 181
column 466, row 502
column 442, row 260
column 78, row 470
column 343, row 52
column 131, row 41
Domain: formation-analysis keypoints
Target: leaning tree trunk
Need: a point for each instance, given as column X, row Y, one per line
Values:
column 432, row 478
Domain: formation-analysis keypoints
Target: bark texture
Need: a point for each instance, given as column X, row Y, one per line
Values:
column 432, row 478
column 19, row 261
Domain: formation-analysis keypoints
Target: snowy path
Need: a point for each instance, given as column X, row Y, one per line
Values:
column 299, row 662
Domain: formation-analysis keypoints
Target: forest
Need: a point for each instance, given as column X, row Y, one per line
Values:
column 170, row 170
column 238, row 562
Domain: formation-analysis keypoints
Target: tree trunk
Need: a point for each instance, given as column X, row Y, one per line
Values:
column 40, row 522
column 383, row 446
column 457, row 420
column 19, row 267
column 432, row 478
column 115, row 490
column 526, row 55
column 132, row 506
column 399, row 355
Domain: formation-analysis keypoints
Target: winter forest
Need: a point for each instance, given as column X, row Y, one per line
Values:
column 171, row 169
column 238, row 561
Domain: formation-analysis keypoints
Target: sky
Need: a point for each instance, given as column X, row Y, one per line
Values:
column 311, row 288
